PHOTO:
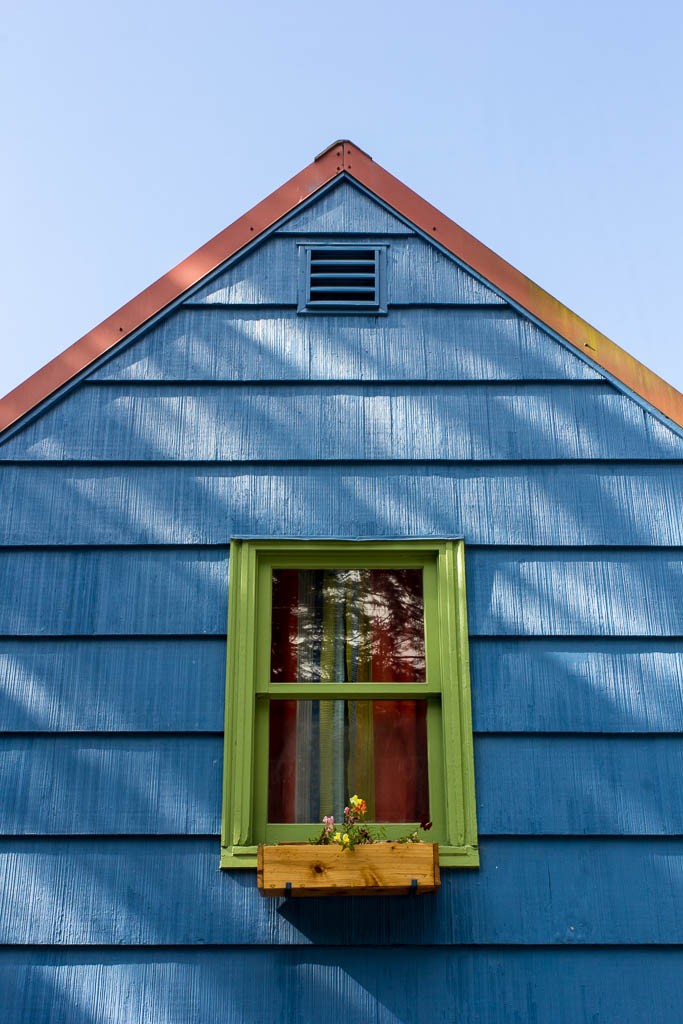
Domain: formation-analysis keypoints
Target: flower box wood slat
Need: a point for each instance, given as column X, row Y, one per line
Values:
column 375, row 869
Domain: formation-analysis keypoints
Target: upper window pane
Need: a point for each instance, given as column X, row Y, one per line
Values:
column 348, row 626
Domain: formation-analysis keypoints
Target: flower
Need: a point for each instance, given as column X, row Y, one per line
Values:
column 328, row 822
column 353, row 831
column 358, row 803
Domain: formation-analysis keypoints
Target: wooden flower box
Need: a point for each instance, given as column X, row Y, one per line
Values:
column 375, row 869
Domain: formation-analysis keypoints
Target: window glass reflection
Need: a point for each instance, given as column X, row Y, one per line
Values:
column 348, row 625
column 323, row 751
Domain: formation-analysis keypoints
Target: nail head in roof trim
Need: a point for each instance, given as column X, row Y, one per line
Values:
column 327, row 166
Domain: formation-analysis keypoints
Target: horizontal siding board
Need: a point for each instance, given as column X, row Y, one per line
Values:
column 170, row 891
column 111, row 685
column 407, row 344
column 587, row 685
column 114, row 785
column 303, row 422
column 569, row 785
column 509, row 504
column 178, row 684
column 345, row 208
column 184, row 591
column 384, row 986
column 416, row 272
column 590, row 593
column 170, row 785
column 134, row 591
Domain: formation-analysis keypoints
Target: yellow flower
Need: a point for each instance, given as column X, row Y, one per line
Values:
column 346, row 840
column 337, row 837
column 358, row 804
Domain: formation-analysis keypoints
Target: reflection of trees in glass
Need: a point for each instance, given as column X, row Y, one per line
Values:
column 348, row 625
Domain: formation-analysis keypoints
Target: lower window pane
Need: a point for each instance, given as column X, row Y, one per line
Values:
column 321, row 752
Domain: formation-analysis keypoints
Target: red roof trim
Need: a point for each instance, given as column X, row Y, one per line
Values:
column 339, row 157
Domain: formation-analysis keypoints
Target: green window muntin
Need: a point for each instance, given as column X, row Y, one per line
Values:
column 443, row 689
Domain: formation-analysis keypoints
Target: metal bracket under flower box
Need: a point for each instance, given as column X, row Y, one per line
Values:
column 374, row 869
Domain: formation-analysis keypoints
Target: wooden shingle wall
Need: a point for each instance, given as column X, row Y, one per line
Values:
column 450, row 416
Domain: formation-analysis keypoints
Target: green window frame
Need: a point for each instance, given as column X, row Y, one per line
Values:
column 249, row 690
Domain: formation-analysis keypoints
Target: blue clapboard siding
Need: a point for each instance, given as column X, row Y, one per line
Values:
column 176, row 684
column 169, row 891
column 170, row 785
column 587, row 685
column 591, row 593
column 183, row 590
column 336, row 422
column 343, row 208
column 247, row 419
column 563, row 504
column 587, row 785
column 407, row 344
column 173, row 684
column 416, row 273
column 419, row 273
column 126, row 785
column 134, row 591
column 405, row 984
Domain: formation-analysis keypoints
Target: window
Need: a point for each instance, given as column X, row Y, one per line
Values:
column 342, row 278
column 347, row 673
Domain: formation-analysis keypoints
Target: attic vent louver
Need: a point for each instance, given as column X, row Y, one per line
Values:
column 343, row 275
column 342, row 279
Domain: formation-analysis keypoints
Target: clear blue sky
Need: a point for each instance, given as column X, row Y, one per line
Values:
column 133, row 132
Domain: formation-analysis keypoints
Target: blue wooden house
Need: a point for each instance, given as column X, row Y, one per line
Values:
column 343, row 393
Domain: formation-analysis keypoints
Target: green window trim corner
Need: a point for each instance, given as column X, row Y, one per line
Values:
column 450, row 738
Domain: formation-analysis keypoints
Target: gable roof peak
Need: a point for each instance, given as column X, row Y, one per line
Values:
column 344, row 158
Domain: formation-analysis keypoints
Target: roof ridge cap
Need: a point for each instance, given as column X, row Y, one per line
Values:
column 342, row 147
